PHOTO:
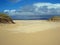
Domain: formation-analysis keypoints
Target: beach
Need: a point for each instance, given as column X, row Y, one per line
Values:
column 30, row 32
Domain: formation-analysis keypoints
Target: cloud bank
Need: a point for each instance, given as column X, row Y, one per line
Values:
column 37, row 9
column 48, row 8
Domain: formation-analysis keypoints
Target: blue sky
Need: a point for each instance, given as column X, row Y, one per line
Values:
column 30, row 7
column 15, row 4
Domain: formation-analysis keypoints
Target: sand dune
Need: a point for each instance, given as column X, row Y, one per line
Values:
column 30, row 33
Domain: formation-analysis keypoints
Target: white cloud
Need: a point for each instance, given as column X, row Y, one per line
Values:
column 47, row 8
column 12, row 10
column 37, row 9
column 6, row 11
column 9, row 10
column 49, row 5
column 16, row 12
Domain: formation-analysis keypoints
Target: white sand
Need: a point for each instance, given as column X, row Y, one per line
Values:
column 33, row 32
column 29, row 26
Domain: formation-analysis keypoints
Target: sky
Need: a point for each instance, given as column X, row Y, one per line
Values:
column 15, row 4
column 30, row 7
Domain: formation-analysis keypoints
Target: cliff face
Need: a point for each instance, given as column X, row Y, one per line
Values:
column 4, row 18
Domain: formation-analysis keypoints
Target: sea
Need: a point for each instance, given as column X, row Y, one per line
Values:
column 32, row 17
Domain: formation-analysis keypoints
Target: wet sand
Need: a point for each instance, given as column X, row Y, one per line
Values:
column 30, row 32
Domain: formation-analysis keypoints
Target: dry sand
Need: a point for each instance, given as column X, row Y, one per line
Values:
column 30, row 32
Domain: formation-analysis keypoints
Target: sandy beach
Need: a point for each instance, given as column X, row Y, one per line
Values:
column 30, row 32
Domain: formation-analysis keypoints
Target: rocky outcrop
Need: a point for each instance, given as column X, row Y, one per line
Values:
column 4, row 18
